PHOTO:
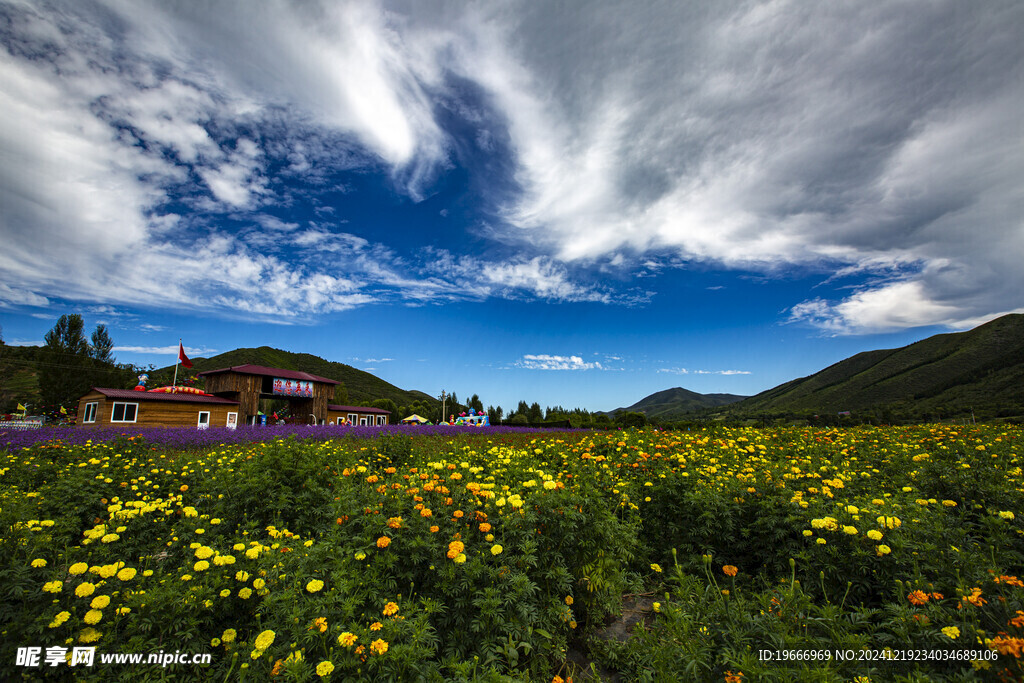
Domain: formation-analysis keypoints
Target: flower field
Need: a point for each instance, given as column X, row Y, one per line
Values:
column 868, row 554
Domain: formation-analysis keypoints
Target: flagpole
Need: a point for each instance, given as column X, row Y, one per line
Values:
column 177, row 360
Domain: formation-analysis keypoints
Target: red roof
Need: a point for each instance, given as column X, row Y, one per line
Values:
column 357, row 409
column 271, row 372
column 157, row 396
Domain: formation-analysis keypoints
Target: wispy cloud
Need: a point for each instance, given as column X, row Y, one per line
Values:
column 685, row 371
column 171, row 350
column 548, row 362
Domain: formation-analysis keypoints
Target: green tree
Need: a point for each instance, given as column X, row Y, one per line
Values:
column 494, row 414
column 102, row 348
column 340, row 394
column 476, row 404
column 631, row 419
column 65, row 368
column 534, row 415
column 388, row 405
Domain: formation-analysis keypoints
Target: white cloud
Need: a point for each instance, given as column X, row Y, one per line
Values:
column 684, row 371
column 169, row 350
column 547, row 362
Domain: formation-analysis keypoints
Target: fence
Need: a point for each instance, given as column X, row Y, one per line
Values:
column 20, row 425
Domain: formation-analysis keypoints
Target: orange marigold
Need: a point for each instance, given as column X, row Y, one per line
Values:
column 1008, row 646
column 383, row 542
column 485, row 527
column 918, row 597
column 729, row 570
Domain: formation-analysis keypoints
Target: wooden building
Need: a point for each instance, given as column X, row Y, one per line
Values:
column 107, row 407
column 306, row 394
column 357, row 415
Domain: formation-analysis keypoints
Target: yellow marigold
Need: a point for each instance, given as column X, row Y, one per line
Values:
column 241, row 575
column 376, row 626
column 38, row 563
column 952, row 631
column 127, row 574
column 84, row 590
column 265, row 639
column 258, row 583
column 379, row 646
column 60, row 618
column 253, row 553
column 204, row 552
column 347, row 639
column 383, row 542
column 319, row 624
column 100, row 602
column 496, row 549
column 78, row 568
column 89, row 635
column 390, row 608
column 875, row 535
column 229, row 635
column 314, row 586
column 93, row 616
column 324, row 669
column 568, row 599
column 461, row 557
column 655, row 567
column 53, row 586
column 882, row 550
column 201, row 566
column 245, row 593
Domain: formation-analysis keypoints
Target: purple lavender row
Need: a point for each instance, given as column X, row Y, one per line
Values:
column 188, row 437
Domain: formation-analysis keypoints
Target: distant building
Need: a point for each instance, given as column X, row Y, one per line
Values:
column 232, row 398
column 357, row 415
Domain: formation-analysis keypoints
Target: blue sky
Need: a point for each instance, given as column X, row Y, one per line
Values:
column 572, row 203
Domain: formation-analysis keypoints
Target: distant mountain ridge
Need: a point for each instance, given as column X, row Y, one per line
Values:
column 676, row 403
column 981, row 369
column 362, row 386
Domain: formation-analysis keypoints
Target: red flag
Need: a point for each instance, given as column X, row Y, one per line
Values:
column 182, row 357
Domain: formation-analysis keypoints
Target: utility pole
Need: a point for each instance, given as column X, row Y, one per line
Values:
column 442, row 397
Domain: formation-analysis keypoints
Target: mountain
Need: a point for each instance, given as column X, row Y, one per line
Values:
column 674, row 403
column 362, row 387
column 941, row 376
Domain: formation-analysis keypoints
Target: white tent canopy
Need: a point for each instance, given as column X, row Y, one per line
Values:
column 414, row 419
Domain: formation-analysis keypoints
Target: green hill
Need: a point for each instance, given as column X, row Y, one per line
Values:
column 672, row 404
column 362, row 387
column 947, row 375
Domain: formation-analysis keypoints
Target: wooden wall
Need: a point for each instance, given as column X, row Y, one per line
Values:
column 246, row 389
column 157, row 413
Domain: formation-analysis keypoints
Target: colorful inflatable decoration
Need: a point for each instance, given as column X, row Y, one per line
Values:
column 474, row 419
column 141, row 386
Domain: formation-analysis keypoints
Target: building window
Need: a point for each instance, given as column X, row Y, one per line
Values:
column 353, row 418
column 381, row 420
column 90, row 413
column 341, row 420
column 232, row 420
column 204, row 419
column 363, row 420
column 124, row 412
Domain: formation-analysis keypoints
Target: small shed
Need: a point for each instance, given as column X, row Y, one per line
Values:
column 102, row 406
column 307, row 394
column 357, row 415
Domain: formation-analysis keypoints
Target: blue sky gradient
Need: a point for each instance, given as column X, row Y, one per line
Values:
column 578, row 205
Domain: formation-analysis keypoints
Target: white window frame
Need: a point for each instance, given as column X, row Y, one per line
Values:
column 339, row 420
column 232, row 424
column 203, row 424
column 89, row 416
column 363, row 420
column 113, row 409
column 381, row 420
column 353, row 418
